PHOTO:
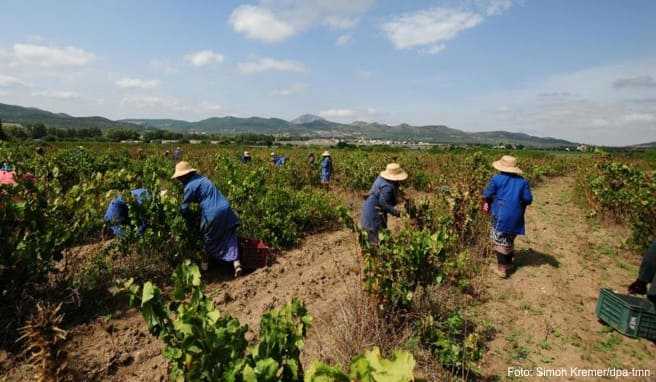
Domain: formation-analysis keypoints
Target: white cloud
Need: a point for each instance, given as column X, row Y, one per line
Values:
column 338, row 113
column 291, row 90
column 581, row 106
column 337, row 22
column 637, row 82
column 56, row 94
column 203, row 57
column 137, row 83
column 151, row 103
column 343, row 40
column 348, row 115
column 640, row 117
column 260, row 24
column 275, row 21
column 48, row 56
column 267, row 64
column 495, row 7
column 10, row 81
column 163, row 66
column 431, row 27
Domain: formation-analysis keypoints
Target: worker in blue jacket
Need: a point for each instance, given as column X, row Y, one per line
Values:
column 506, row 197
column 381, row 200
column 278, row 160
column 326, row 168
column 116, row 214
column 218, row 221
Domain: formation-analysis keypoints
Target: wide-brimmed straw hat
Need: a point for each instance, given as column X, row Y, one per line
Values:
column 507, row 163
column 273, row 154
column 247, row 154
column 325, row 154
column 394, row 172
column 182, row 168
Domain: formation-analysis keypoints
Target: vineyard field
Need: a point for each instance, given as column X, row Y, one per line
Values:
column 424, row 305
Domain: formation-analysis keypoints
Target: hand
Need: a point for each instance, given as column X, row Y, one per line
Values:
column 638, row 287
column 486, row 207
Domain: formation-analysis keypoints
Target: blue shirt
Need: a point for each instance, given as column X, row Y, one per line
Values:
column 279, row 160
column 216, row 215
column 509, row 194
column 326, row 168
column 117, row 211
column 379, row 203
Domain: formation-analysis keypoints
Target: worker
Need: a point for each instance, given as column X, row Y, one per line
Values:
column 311, row 159
column 246, row 157
column 506, row 197
column 167, row 153
column 6, row 166
column 116, row 215
column 140, row 153
column 326, row 168
column 381, row 200
column 646, row 275
column 219, row 222
column 177, row 154
column 277, row 160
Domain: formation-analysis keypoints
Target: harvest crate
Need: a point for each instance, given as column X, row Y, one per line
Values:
column 630, row 315
column 255, row 254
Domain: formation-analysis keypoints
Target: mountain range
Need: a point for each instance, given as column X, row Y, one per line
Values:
column 306, row 125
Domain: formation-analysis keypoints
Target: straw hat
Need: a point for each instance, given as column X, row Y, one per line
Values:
column 507, row 163
column 182, row 168
column 273, row 154
column 247, row 154
column 325, row 154
column 394, row 172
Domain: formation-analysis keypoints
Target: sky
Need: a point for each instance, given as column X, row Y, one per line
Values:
column 583, row 70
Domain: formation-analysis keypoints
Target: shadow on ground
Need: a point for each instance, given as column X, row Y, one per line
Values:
column 533, row 258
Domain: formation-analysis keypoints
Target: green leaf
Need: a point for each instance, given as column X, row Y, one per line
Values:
column 149, row 291
column 320, row 372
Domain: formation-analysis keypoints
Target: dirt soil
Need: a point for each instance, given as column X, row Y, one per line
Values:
column 545, row 312
column 319, row 272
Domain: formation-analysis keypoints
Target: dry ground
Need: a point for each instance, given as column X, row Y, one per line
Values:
column 544, row 314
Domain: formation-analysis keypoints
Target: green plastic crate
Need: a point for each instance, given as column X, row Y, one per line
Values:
column 630, row 315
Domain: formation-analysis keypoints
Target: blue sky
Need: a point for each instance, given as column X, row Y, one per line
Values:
column 581, row 70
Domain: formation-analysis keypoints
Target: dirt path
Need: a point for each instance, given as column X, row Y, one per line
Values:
column 545, row 313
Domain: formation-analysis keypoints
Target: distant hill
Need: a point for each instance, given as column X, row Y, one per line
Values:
column 306, row 118
column 648, row 145
column 307, row 125
column 30, row 115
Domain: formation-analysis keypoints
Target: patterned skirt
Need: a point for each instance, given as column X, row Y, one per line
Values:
column 502, row 242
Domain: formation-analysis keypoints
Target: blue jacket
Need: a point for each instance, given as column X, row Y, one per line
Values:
column 117, row 211
column 509, row 194
column 278, row 160
column 379, row 203
column 218, row 220
column 326, row 169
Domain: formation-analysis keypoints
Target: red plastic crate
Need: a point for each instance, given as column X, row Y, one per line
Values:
column 255, row 254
